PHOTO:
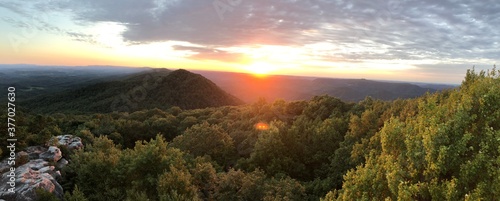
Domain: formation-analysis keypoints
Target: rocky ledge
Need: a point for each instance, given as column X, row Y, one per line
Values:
column 36, row 167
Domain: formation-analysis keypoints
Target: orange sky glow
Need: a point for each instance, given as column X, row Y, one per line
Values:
column 373, row 41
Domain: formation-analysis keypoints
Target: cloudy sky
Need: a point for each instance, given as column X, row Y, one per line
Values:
column 410, row 40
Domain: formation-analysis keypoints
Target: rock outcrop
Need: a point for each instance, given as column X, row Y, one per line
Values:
column 53, row 154
column 35, row 169
column 35, row 151
column 31, row 176
column 70, row 141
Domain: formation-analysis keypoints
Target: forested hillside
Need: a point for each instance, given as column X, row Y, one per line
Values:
column 448, row 150
column 442, row 146
column 158, row 88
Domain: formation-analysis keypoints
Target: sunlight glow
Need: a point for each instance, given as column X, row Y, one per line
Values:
column 261, row 126
column 107, row 34
column 261, row 69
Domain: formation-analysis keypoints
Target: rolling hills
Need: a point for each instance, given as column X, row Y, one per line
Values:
column 88, row 89
column 158, row 88
column 33, row 80
column 250, row 88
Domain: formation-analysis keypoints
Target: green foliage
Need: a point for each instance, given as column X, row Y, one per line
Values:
column 442, row 146
column 76, row 195
column 285, row 189
column 86, row 136
column 176, row 184
column 237, row 185
column 448, row 151
column 204, row 177
column 151, row 170
column 43, row 195
column 30, row 130
column 158, row 88
column 96, row 169
column 133, row 195
column 272, row 154
column 205, row 139
column 142, row 166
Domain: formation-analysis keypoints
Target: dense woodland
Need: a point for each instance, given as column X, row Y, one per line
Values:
column 442, row 146
column 158, row 88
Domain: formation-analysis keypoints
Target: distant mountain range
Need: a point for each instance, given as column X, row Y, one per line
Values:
column 93, row 89
column 358, row 89
column 250, row 88
column 32, row 81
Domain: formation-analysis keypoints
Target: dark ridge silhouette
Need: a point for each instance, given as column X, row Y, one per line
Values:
column 157, row 88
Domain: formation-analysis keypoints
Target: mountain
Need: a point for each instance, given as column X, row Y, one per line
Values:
column 250, row 88
column 158, row 88
column 48, row 85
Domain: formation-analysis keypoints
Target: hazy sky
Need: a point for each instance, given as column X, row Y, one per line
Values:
column 413, row 40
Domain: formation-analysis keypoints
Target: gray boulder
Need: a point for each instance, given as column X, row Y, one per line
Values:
column 61, row 163
column 53, row 154
column 29, row 177
column 34, row 171
column 35, row 151
column 70, row 141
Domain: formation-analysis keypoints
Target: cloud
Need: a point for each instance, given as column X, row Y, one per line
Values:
column 203, row 53
column 250, row 22
column 15, row 7
column 378, row 29
column 447, row 72
column 33, row 18
column 82, row 37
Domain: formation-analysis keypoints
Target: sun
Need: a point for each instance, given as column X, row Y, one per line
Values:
column 260, row 69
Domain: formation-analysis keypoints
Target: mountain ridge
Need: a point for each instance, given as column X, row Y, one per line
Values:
column 156, row 88
column 250, row 88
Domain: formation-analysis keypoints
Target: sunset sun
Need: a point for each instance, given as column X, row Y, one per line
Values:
column 261, row 69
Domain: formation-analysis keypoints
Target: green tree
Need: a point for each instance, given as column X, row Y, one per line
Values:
column 447, row 151
column 140, row 168
column 44, row 195
column 205, row 139
column 286, row 189
column 204, row 176
column 273, row 153
column 96, row 169
column 188, row 122
column 238, row 185
column 177, row 184
column 76, row 195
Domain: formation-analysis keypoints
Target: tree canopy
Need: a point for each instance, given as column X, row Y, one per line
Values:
column 441, row 146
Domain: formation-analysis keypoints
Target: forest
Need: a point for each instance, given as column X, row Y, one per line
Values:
column 151, row 88
column 440, row 146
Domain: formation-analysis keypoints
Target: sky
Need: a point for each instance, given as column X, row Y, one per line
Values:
column 406, row 40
